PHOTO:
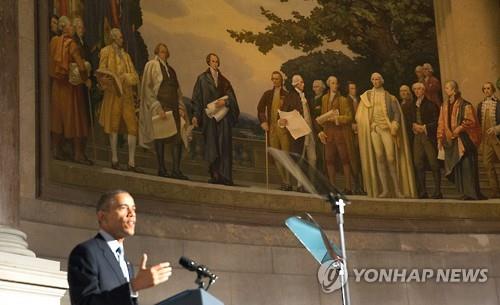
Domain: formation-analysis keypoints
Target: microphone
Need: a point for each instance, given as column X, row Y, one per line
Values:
column 201, row 270
column 188, row 263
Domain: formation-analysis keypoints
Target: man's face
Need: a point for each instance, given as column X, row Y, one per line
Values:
column 419, row 91
column 79, row 29
column 300, row 85
column 277, row 80
column 449, row 90
column 487, row 90
column 334, row 84
column 119, row 39
column 419, row 73
column 376, row 81
column 404, row 93
column 53, row 25
column 163, row 53
column 119, row 219
column 427, row 71
column 352, row 90
column 213, row 62
column 69, row 29
column 317, row 88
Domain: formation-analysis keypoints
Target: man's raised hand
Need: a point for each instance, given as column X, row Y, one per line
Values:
column 150, row 276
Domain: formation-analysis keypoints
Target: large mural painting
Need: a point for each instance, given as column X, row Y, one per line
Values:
column 218, row 71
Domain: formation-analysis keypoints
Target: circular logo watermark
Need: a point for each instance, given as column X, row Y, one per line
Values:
column 329, row 275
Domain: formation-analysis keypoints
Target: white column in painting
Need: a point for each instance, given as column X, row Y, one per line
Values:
column 467, row 36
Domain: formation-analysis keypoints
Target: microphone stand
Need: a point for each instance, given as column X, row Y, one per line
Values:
column 338, row 202
column 201, row 274
column 199, row 280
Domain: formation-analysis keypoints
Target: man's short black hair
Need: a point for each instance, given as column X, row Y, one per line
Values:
column 208, row 58
column 107, row 199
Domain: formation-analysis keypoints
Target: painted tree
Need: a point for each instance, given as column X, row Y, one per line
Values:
column 390, row 36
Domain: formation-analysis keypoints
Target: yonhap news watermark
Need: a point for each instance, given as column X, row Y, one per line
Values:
column 330, row 279
column 450, row 275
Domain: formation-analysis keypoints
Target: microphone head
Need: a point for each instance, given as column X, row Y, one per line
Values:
column 187, row 263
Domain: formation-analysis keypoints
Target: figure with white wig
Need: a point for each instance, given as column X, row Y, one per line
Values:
column 385, row 155
column 318, row 88
column 488, row 114
column 336, row 134
column 161, row 93
column 118, row 106
column 296, row 100
column 421, row 118
column 68, row 111
column 458, row 137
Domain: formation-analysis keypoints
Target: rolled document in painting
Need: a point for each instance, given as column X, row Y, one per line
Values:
column 218, row 113
column 325, row 117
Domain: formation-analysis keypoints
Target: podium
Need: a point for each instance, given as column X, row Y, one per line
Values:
column 192, row 297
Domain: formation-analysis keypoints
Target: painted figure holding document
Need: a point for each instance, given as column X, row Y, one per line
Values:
column 216, row 111
column 336, row 134
column 296, row 100
column 118, row 103
column 161, row 102
column 267, row 111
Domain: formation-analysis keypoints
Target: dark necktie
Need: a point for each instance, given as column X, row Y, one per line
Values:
column 123, row 264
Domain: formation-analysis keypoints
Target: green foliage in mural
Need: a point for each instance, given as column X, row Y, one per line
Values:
column 390, row 36
column 320, row 65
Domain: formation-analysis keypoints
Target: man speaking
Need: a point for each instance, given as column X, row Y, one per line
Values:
column 98, row 272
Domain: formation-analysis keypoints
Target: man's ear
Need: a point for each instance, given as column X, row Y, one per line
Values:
column 100, row 216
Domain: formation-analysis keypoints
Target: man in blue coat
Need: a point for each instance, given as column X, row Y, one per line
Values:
column 212, row 86
column 98, row 271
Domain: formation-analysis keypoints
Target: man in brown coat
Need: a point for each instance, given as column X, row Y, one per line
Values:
column 488, row 114
column 336, row 133
column 267, row 112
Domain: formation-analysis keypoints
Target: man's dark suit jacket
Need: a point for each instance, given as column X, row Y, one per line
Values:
column 266, row 103
column 95, row 276
column 293, row 102
column 429, row 114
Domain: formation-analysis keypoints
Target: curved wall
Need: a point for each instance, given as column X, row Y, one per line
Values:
column 259, row 262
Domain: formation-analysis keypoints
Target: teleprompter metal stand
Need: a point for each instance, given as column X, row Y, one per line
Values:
column 308, row 231
column 337, row 203
column 315, row 240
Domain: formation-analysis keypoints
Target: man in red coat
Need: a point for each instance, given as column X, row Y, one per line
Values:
column 68, row 113
column 432, row 85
